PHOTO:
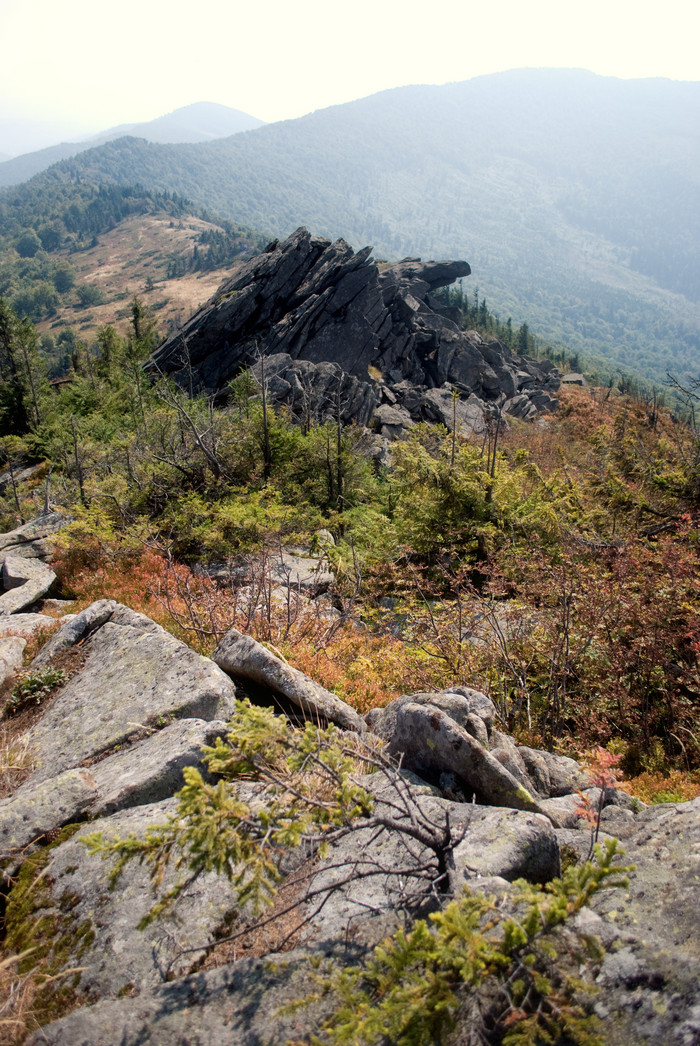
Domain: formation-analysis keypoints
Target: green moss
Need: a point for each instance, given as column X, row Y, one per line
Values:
column 35, row 919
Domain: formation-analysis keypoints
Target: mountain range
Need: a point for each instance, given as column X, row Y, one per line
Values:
column 575, row 198
column 199, row 122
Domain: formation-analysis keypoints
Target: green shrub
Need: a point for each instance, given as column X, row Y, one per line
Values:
column 33, row 688
column 503, row 978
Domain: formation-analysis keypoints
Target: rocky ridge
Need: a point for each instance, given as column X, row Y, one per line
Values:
column 333, row 333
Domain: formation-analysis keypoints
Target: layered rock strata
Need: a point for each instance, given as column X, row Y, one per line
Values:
column 333, row 334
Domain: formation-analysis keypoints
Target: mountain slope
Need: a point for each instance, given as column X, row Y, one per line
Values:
column 72, row 258
column 200, row 122
column 575, row 198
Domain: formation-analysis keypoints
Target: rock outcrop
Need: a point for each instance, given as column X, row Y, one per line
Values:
column 243, row 658
column 31, row 540
column 25, row 582
column 337, row 334
column 135, row 677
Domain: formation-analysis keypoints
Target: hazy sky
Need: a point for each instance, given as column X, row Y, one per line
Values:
column 91, row 65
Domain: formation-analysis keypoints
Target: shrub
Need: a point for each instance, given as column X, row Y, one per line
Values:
column 33, row 688
column 510, row 969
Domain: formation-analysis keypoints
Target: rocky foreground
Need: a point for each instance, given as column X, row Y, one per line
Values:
column 135, row 708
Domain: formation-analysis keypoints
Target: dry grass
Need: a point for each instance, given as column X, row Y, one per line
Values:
column 15, row 758
column 278, row 929
column 21, row 1010
column 15, row 755
column 120, row 265
column 16, row 997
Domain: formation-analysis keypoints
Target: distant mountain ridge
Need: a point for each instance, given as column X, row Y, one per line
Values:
column 575, row 197
column 199, row 122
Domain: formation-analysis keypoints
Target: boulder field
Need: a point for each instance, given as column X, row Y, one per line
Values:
column 136, row 708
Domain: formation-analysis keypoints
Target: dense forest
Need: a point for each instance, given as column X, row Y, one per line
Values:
column 574, row 197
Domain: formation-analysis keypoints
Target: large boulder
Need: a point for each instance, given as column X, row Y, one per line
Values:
column 25, row 581
column 238, row 1004
column 26, row 625
column 147, row 771
column 11, row 654
column 31, row 540
column 647, row 988
column 243, row 658
column 151, row 770
column 317, row 392
column 135, row 676
column 373, row 878
column 461, row 703
column 96, row 927
column 430, row 742
column 35, row 811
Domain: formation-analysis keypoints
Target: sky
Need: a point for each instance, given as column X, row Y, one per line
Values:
column 79, row 66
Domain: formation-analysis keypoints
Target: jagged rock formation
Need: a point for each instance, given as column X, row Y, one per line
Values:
column 337, row 333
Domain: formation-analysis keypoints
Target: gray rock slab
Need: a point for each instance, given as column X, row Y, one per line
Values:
column 374, row 876
column 38, row 808
column 565, row 774
column 537, row 769
column 650, row 994
column 11, row 652
column 244, row 658
column 469, row 414
column 568, row 811
column 460, row 704
column 307, row 573
column 151, row 770
column 430, row 743
column 34, row 588
column 136, row 675
column 30, row 539
column 75, row 628
column 509, row 757
column 510, row 844
column 19, row 474
column 392, row 421
column 233, row 1005
column 16, row 570
column 99, row 924
column 26, row 625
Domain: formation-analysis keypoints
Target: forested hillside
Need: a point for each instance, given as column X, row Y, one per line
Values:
column 200, row 122
column 72, row 256
column 574, row 197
